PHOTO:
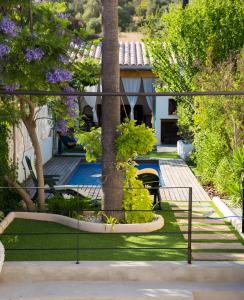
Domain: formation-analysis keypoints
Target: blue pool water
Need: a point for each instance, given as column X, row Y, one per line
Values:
column 90, row 173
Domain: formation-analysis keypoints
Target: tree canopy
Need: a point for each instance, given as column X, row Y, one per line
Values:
column 200, row 48
column 38, row 50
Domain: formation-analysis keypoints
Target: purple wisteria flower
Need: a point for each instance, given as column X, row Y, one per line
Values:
column 59, row 75
column 76, row 42
column 11, row 87
column 70, row 102
column 33, row 54
column 69, row 89
column 4, row 50
column 8, row 27
column 61, row 126
column 63, row 59
column 62, row 15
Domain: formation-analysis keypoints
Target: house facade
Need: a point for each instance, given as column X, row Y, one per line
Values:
column 136, row 76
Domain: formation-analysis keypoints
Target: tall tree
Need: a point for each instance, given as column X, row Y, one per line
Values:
column 112, row 178
column 34, row 57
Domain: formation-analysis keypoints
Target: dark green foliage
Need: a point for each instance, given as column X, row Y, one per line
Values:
column 182, row 42
column 9, row 199
column 131, row 12
column 219, row 129
column 68, row 206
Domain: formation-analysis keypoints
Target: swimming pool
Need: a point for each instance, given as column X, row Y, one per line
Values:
column 90, row 173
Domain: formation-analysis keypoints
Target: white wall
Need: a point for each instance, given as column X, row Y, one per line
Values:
column 23, row 144
column 161, row 107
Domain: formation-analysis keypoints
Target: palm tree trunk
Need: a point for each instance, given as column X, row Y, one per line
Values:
column 112, row 178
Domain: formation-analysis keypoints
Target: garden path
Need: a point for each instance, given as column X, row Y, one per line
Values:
column 211, row 239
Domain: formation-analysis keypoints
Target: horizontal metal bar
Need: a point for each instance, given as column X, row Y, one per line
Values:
column 83, row 249
column 173, row 94
column 92, row 187
column 91, row 233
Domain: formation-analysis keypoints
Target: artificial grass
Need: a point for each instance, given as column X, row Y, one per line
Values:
column 154, row 154
column 44, row 236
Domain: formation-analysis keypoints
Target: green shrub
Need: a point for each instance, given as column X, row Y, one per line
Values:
column 68, row 206
column 223, row 176
column 227, row 178
column 9, row 201
column 133, row 140
column 136, row 197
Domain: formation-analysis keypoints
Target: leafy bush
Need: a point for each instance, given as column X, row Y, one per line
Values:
column 133, row 140
column 224, row 170
column 68, row 206
column 9, row 199
column 91, row 142
column 136, row 197
column 227, row 178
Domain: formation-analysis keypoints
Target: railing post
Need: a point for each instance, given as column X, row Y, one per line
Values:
column 242, row 200
column 189, row 225
column 78, row 236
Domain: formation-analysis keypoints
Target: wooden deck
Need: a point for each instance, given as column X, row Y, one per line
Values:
column 176, row 173
column 62, row 166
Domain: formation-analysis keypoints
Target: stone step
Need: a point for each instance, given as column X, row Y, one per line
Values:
column 194, row 214
column 205, row 228
column 212, row 236
column 201, row 221
column 120, row 271
column 223, row 246
column 194, row 209
column 217, row 256
column 126, row 290
column 76, row 290
column 175, row 202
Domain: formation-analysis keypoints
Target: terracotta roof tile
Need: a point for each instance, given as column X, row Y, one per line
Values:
column 131, row 54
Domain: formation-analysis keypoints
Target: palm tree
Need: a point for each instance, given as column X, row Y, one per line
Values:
column 112, row 178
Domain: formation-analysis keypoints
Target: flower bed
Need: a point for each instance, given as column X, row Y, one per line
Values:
column 156, row 224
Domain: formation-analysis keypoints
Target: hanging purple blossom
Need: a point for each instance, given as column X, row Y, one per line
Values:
column 8, row 27
column 63, row 59
column 61, row 126
column 59, row 75
column 33, row 54
column 11, row 87
column 62, row 15
column 4, row 50
column 70, row 102
column 69, row 89
column 76, row 42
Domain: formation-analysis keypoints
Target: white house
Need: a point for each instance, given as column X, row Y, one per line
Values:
column 20, row 145
column 136, row 76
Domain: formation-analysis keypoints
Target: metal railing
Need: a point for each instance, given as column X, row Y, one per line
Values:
column 13, row 250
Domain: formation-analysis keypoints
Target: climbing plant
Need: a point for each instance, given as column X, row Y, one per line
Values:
column 131, row 142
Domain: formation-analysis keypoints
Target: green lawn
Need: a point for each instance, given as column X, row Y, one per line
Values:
column 154, row 154
column 62, row 237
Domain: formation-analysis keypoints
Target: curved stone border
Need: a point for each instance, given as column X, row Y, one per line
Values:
column 156, row 224
column 2, row 256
